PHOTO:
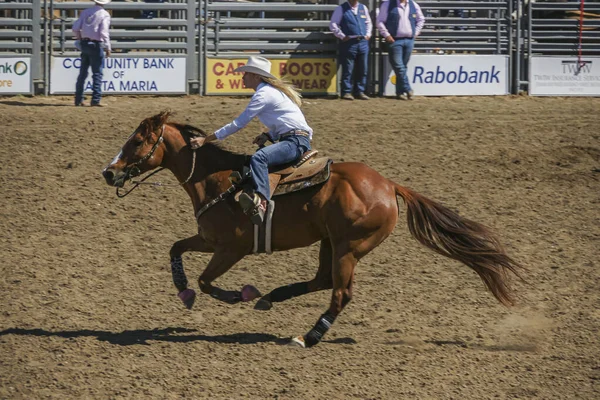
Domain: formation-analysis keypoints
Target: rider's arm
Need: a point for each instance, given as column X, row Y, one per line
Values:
column 254, row 107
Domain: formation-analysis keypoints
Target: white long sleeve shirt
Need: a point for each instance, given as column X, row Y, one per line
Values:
column 274, row 109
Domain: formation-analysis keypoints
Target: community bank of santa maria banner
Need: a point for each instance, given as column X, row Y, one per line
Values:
column 135, row 74
column 453, row 75
column 564, row 76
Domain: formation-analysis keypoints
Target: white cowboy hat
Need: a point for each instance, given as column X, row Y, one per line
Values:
column 102, row 2
column 257, row 65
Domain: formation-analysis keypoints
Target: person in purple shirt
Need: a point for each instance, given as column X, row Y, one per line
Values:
column 351, row 23
column 93, row 40
column 400, row 22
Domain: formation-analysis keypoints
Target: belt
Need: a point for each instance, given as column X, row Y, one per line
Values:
column 90, row 40
column 293, row 132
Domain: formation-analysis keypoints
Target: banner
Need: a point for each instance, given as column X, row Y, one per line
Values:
column 453, row 75
column 139, row 75
column 564, row 76
column 309, row 75
column 15, row 75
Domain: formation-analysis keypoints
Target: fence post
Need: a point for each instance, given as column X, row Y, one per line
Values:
column 36, row 42
column 191, row 44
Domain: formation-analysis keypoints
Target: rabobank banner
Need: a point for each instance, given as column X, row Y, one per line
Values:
column 564, row 76
column 134, row 74
column 453, row 75
column 15, row 75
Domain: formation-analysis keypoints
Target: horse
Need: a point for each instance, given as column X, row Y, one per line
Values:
column 351, row 213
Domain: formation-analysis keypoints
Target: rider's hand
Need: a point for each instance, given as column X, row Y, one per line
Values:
column 345, row 39
column 390, row 39
column 197, row 142
column 107, row 53
column 260, row 140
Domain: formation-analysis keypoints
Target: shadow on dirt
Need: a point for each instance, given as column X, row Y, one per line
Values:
column 142, row 336
column 22, row 103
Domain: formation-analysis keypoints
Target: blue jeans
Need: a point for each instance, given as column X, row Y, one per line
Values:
column 354, row 53
column 285, row 151
column 400, row 52
column 92, row 55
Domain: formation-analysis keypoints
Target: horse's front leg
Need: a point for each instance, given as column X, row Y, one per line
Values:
column 222, row 260
column 193, row 243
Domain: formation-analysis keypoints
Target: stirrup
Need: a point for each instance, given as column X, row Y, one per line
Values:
column 252, row 206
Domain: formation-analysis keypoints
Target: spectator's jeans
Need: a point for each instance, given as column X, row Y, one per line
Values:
column 285, row 151
column 92, row 55
column 354, row 53
column 399, row 53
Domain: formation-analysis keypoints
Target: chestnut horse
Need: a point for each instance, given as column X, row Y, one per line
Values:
column 350, row 214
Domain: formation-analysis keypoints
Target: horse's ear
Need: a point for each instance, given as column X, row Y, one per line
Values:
column 160, row 119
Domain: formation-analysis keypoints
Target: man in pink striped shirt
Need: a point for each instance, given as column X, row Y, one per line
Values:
column 400, row 22
column 91, row 31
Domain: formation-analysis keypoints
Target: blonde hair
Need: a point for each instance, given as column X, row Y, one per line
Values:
column 286, row 88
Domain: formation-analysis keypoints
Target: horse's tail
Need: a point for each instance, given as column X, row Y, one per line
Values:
column 469, row 242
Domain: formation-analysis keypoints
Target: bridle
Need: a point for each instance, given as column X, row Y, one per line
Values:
column 133, row 170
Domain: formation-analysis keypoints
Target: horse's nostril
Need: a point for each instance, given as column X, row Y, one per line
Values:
column 108, row 175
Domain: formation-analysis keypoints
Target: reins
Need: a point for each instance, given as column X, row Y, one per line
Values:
column 233, row 188
column 157, row 184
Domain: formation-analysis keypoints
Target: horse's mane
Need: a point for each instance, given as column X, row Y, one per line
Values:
column 158, row 120
column 222, row 158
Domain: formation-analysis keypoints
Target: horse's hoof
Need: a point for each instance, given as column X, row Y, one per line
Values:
column 249, row 293
column 263, row 305
column 188, row 296
column 298, row 341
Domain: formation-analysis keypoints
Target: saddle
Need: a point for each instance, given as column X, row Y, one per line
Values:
column 308, row 171
column 304, row 173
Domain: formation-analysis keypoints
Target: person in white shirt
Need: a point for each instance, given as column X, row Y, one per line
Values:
column 93, row 39
column 277, row 106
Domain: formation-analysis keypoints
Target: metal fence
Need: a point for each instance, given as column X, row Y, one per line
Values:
column 552, row 28
column 198, row 29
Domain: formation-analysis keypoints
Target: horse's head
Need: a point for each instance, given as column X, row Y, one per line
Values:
column 142, row 152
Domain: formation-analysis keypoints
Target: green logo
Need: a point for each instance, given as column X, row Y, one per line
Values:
column 20, row 68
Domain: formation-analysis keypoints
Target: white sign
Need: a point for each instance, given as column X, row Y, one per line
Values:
column 15, row 75
column 140, row 75
column 564, row 76
column 453, row 75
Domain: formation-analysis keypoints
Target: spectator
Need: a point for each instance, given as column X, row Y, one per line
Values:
column 400, row 22
column 351, row 23
column 458, row 13
column 93, row 40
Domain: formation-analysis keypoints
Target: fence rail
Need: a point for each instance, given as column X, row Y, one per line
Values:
column 198, row 29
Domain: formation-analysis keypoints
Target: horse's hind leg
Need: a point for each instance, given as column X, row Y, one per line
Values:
column 323, row 280
column 346, row 254
column 343, row 279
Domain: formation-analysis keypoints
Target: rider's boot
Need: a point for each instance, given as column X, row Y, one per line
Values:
column 253, row 206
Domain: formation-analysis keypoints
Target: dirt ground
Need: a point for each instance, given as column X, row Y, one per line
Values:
column 89, row 309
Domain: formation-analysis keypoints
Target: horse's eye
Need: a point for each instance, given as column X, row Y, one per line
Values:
column 138, row 142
